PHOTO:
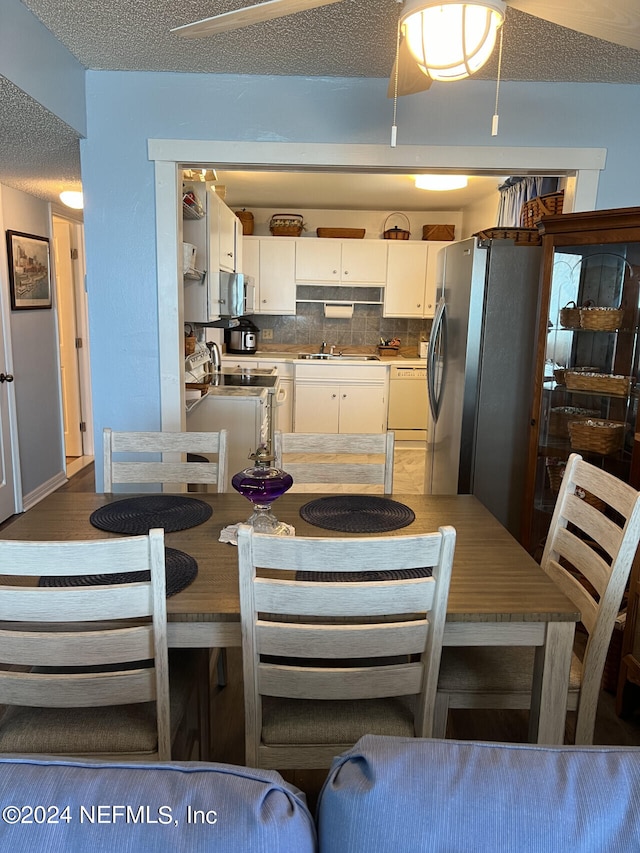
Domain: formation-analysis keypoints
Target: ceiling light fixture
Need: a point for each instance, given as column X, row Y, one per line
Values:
column 73, row 199
column 451, row 40
column 441, row 182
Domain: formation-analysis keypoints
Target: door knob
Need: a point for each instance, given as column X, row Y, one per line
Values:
column 6, row 377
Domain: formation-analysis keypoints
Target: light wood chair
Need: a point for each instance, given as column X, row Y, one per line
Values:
column 342, row 459
column 169, row 472
column 589, row 551
column 325, row 660
column 84, row 668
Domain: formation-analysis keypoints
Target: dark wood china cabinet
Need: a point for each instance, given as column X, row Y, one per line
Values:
column 585, row 395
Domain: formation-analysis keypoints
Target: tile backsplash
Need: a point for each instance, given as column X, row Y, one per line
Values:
column 366, row 327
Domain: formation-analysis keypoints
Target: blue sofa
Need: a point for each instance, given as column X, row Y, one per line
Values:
column 385, row 795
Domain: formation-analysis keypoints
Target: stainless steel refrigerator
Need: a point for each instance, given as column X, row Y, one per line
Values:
column 479, row 373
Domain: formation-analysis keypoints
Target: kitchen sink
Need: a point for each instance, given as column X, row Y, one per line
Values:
column 326, row 356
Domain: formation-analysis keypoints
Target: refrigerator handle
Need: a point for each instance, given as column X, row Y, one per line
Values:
column 437, row 342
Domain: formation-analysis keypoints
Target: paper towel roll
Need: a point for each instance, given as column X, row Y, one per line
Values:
column 343, row 311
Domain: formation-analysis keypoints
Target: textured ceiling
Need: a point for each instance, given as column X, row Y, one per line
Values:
column 39, row 152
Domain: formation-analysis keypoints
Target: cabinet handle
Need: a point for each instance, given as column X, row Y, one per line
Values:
column 346, row 272
column 264, row 300
column 335, row 272
column 6, row 377
column 333, row 396
column 417, row 305
column 343, row 396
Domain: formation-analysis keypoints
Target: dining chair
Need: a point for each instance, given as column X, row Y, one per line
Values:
column 347, row 460
column 589, row 551
column 136, row 470
column 328, row 658
column 84, row 667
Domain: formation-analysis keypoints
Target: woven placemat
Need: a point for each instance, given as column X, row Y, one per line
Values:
column 181, row 570
column 137, row 516
column 363, row 577
column 357, row 513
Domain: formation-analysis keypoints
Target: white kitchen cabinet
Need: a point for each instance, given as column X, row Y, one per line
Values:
column 411, row 278
column 340, row 399
column 228, row 232
column 201, row 294
column 271, row 261
column 341, row 261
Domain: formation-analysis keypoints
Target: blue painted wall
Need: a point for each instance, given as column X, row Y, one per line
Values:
column 124, row 110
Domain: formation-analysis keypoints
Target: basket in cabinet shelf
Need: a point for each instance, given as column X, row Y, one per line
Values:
column 560, row 417
column 570, row 316
column 342, row 233
column 520, row 236
column 555, row 472
column 397, row 233
column 559, row 372
column 594, row 436
column 601, row 319
column 597, row 383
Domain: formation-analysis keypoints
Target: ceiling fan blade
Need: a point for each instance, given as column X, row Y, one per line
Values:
column 617, row 21
column 410, row 79
column 246, row 16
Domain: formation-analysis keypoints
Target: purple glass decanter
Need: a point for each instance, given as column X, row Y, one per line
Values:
column 262, row 485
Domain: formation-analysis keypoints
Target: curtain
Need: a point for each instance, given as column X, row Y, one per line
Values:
column 513, row 194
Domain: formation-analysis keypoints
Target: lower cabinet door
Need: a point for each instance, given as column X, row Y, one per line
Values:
column 316, row 408
column 362, row 408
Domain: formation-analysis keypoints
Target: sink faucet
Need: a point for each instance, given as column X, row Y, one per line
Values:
column 214, row 349
column 322, row 346
column 331, row 349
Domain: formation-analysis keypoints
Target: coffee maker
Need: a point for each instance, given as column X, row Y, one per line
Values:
column 243, row 338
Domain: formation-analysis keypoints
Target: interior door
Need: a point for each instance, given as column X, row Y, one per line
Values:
column 69, row 372
column 7, row 495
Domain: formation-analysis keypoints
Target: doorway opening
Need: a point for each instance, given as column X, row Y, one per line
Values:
column 73, row 342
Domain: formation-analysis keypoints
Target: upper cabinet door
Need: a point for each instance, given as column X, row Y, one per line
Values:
column 318, row 260
column 364, row 262
column 406, row 275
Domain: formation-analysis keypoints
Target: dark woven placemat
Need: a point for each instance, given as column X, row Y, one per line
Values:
column 363, row 577
column 138, row 515
column 181, row 570
column 357, row 513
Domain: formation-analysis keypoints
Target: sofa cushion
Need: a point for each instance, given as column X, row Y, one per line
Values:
column 432, row 796
column 149, row 808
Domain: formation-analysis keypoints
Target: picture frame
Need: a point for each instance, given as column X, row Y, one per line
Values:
column 29, row 271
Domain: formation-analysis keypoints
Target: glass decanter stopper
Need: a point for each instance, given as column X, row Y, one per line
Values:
column 262, row 485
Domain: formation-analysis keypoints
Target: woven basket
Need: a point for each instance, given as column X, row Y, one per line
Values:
column 597, row 383
column 560, row 416
column 570, row 316
column 537, row 208
column 342, row 233
column 601, row 319
column 555, row 471
column 246, row 217
column 438, row 232
column 388, row 351
column 396, row 233
column 520, row 236
column 286, row 224
column 603, row 437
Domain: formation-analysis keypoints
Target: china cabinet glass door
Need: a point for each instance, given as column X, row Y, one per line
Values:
column 586, row 397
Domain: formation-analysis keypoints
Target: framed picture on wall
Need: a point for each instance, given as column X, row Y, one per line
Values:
column 29, row 270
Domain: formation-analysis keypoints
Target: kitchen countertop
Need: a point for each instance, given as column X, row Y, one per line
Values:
column 408, row 360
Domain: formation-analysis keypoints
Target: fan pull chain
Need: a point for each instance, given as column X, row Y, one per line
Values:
column 394, row 126
column 495, row 119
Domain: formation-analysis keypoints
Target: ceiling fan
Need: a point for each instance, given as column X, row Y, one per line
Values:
column 616, row 21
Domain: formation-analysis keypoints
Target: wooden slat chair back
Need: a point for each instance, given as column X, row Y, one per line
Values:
column 84, row 667
column 324, row 660
column 136, row 470
column 589, row 551
column 346, row 460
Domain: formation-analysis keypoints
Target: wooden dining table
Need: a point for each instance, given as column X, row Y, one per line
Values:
column 498, row 595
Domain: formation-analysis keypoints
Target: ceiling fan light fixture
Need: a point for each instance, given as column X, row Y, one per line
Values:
column 72, row 198
column 440, row 183
column 451, row 40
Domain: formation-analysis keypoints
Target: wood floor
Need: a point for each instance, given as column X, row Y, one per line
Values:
column 227, row 719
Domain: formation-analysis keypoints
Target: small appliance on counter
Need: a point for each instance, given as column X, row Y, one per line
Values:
column 243, row 338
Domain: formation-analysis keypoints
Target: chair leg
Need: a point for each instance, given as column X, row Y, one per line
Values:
column 221, row 668
column 440, row 715
column 204, row 710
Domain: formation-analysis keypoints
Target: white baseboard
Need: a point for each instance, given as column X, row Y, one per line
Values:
column 42, row 491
